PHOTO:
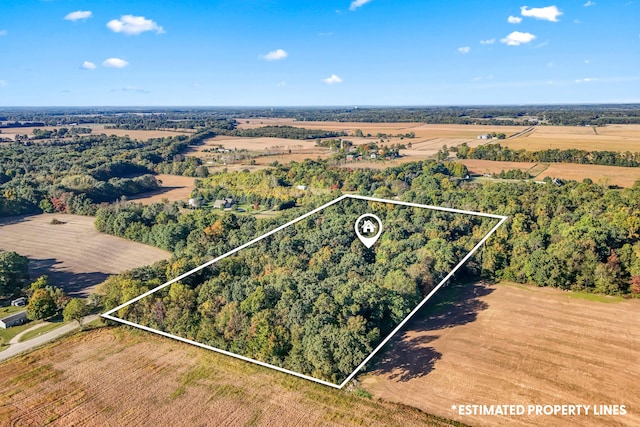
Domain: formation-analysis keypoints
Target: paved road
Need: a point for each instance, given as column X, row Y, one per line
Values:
column 22, row 347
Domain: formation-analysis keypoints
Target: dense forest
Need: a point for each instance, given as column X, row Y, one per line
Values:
column 284, row 301
column 312, row 298
column 74, row 175
column 506, row 154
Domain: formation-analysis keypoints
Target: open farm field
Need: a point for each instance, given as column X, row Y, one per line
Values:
column 174, row 188
column 512, row 344
column 122, row 377
column 264, row 151
column 74, row 255
column 611, row 175
column 607, row 138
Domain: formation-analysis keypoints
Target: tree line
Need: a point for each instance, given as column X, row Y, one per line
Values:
column 499, row 153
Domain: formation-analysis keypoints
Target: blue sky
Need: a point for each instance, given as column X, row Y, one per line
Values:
column 317, row 53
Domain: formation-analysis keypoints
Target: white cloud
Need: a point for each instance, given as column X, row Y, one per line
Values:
column 3, row 33
column 589, row 3
column 79, row 15
column 464, row 50
column 274, row 55
column 586, row 80
column 332, row 79
column 517, row 38
column 549, row 13
column 282, row 83
column 115, row 63
column 488, row 41
column 133, row 25
column 3, row 83
column 357, row 3
column 88, row 65
column 586, row 61
column 514, row 19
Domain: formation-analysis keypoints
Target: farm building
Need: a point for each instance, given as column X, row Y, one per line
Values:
column 13, row 320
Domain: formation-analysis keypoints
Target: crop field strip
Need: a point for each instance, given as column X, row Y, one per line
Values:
column 73, row 253
column 118, row 376
column 498, row 344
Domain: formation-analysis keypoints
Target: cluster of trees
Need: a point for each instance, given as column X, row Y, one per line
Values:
column 45, row 300
column 60, row 132
column 572, row 155
column 311, row 298
column 74, row 175
column 289, row 132
column 14, row 274
column 512, row 174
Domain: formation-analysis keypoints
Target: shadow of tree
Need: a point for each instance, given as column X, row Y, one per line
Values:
column 408, row 354
column 73, row 283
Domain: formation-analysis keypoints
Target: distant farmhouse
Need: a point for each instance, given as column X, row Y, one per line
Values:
column 14, row 320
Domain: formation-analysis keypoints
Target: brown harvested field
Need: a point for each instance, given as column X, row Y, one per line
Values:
column 510, row 344
column 611, row 175
column 174, row 188
column 264, row 151
column 74, row 255
column 607, row 138
column 122, row 377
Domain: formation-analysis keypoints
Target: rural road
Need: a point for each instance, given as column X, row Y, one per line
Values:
column 21, row 347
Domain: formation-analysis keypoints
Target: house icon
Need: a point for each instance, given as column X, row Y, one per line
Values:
column 368, row 227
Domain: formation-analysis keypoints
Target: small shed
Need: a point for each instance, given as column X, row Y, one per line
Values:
column 15, row 319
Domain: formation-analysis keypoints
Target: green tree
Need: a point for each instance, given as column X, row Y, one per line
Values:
column 75, row 309
column 14, row 273
column 41, row 305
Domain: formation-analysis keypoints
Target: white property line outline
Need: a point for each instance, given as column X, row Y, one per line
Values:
column 502, row 218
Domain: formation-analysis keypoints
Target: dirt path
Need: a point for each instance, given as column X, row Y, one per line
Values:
column 509, row 344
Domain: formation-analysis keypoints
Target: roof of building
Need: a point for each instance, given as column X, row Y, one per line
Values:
column 15, row 316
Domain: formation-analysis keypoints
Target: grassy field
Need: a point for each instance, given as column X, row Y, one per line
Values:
column 173, row 188
column 7, row 335
column 73, row 254
column 514, row 344
column 122, row 377
column 50, row 326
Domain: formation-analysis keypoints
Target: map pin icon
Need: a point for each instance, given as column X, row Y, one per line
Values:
column 366, row 227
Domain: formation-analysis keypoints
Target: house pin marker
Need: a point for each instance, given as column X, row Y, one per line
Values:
column 365, row 228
